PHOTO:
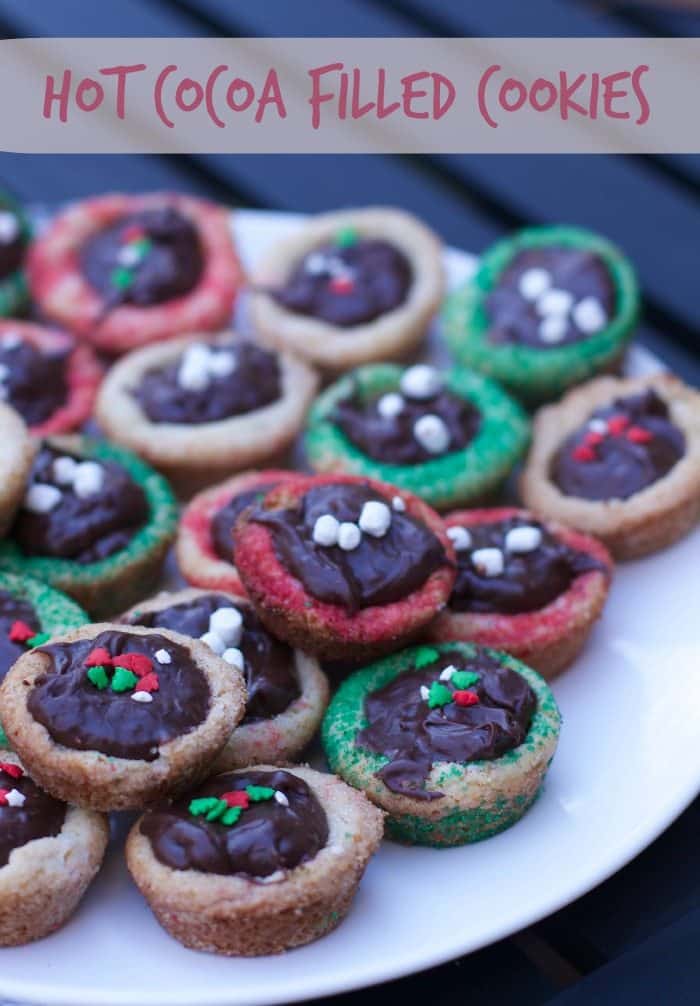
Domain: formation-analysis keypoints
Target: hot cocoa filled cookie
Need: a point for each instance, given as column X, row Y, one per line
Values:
column 453, row 741
column 200, row 408
column 344, row 567
column 255, row 862
column 123, row 270
column 114, row 718
column 533, row 588
column 287, row 693
column 619, row 459
column 350, row 287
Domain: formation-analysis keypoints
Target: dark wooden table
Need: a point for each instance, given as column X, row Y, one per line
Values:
column 635, row 939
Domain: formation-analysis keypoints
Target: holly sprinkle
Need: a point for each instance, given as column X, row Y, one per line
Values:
column 227, row 808
column 453, row 686
column 130, row 672
column 599, row 430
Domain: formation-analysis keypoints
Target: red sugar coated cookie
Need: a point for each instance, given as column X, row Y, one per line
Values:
column 65, row 296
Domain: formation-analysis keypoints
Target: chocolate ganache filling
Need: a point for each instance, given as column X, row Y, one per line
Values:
column 87, row 709
column 207, row 384
column 418, row 719
column 224, row 520
column 348, row 284
column 144, row 258
column 14, row 609
column 535, row 567
column 31, row 381
column 622, row 448
column 378, row 570
column 551, row 296
column 270, row 678
column 27, row 812
column 271, row 833
column 395, row 436
column 77, row 509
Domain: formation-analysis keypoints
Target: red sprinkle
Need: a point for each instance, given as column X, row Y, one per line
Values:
column 236, row 798
column 3, row 797
column 618, row 424
column 99, row 657
column 341, row 284
column 592, row 439
column 11, row 769
column 465, row 698
column 133, row 233
column 138, row 663
column 583, row 453
column 148, row 683
column 20, row 632
column 638, row 435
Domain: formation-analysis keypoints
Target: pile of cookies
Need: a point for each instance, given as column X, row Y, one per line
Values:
column 402, row 561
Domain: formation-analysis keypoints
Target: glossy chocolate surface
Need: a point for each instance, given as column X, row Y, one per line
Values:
column 14, row 609
column 33, row 382
column 224, row 521
column 40, row 816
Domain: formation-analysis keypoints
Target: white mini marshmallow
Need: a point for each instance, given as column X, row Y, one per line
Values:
column 15, row 799
column 390, row 405
column 281, row 798
column 447, row 672
column 589, row 315
column 421, row 381
column 349, row 536
column 214, row 642
column 460, row 538
column 233, row 656
column 488, row 561
column 431, row 433
column 533, row 283
column 11, row 340
column 398, row 504
column 222, row 364
column 41, row 498
column 552, row 329
column 64, row 469
column 227, row 623
column 9, row 227
column 315, row 264
column 325, row 530
column 129, row 255
column 88, row 479
column 523, row 539
column 163, row 657
column 193, row 372
column 375, row 518
column 141, row 697
column 555, row 302
column 424, row 692
column 598, row 426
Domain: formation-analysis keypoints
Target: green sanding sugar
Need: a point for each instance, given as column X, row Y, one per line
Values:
column 537, row 375
column 454, row 479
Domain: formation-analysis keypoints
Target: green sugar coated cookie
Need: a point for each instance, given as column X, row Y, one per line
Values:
column 115, row 583
column 57, row 613
column 14, row 293
column 458, row 478
column 453, row 825
column 539, row 375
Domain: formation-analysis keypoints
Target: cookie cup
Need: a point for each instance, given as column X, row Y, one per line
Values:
column 465, row 476
column 65, row 296
column 645, row 522
column 241, row 917
column 193, row 455
column 276, row 739
column 531, row 374
column 16, row 459
column 105, row 782
column 290, row 612
column 479, row 798
column 390, row 336
column 197, row 558
column 44, row 880
column 114, row 583
column 547, row 639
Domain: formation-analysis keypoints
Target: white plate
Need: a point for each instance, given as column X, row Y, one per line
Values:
column 627, row 765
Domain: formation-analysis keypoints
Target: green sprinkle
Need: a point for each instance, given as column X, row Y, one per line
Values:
column 231, row 816
column 143, row 246
column 439, row 695
column 121, row 278
column 98, row 676
column 257, row 793
column 4, row 742
column 424, row 656
column 202, row 805
column 464, row 679
column 346, row 237
column 123, row 680
column 217, row 811
column 39, row 639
